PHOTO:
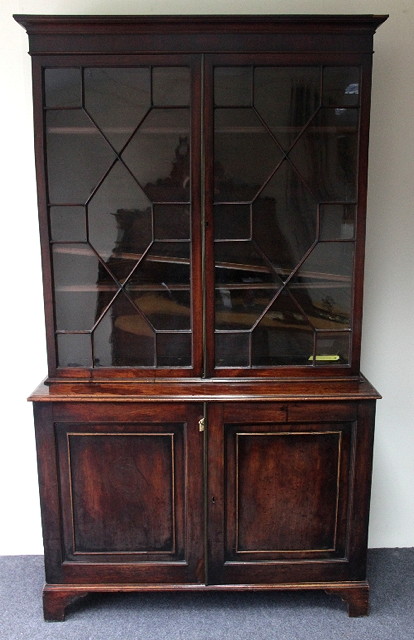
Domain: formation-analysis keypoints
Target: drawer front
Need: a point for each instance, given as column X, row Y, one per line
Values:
column 321, row 411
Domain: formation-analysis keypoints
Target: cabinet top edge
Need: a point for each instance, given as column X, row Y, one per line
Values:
column 206, row 391
column 38, row 23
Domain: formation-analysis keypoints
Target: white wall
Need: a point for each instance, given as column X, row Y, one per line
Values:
column 388, row 347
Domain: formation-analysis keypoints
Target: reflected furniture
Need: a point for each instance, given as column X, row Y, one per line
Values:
column 202, row 186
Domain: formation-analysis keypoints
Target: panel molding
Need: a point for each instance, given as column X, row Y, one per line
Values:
column 173, row 549
column 256, row 555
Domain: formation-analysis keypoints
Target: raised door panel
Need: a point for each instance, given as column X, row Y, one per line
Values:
column 279, row 497
column 131, row 495
column 291, row 505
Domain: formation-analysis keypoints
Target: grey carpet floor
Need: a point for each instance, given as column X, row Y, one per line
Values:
column 212, row 616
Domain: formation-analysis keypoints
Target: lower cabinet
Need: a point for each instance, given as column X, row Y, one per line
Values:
column 259, row 495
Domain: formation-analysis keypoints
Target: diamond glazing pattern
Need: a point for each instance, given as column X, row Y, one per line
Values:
column 118, row 151
column 286, row 143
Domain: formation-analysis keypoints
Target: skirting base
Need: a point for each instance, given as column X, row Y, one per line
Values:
column 57, row 597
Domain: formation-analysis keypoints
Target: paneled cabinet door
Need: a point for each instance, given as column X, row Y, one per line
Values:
column 130, row 486
column 280, row 491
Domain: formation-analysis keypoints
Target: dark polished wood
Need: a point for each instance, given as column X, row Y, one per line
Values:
column 294, row 520
column 129, row 488
column 356, row 599
column 242, row 390
column 128, row 34
column 57, row 599
column 125, row 505
column 242, row 462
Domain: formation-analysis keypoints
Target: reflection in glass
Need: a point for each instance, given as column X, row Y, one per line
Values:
column 241, row 263
column 326, row 304
column 171, row 86
column 332, row 348
column 75, row 269
column 165, row 264
column 233, row 86
column 74, row 350
column 120, row 223
column 323, row 285
column 63, row 88
column 173, row 349
column 283, row 336
column 77, row 156
column 341, row 86
column 232, row 349
column 337, row 221
column 286, row 97
column 123, row 338
column 76, row 310
column 245, row 155
column 326, row 154
column 159, row 155
column 122, row 265
column 284, row 220
column 240, row 308
column 117, row 99
column 329, row 261
column 68, row 224
column 171, row 222
column 165, row 309
column 232, row 222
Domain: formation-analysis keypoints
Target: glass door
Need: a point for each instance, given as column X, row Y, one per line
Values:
column 283, row 179
column 121, row 179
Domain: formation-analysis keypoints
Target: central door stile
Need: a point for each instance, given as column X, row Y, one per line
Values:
column 203, row 225
column 204, row 438
column 197, row 191
column 214, row 494
column 208, row 220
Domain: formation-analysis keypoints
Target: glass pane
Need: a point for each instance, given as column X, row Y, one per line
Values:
column 323, row 286
column 245, row 155
column 330, row 260
column 171, row 222
column 68, row 224
column 159, row 155
column 283, row 336
column 77, row 156
column 233, row 86
column 76, row 278
column 232, row 349
column 63, row 88
column 166, row 265
column 286, row 97
column 240, row 262
column 173, row 349
column 74, row 350
column 232, row 221
column 75, row 310
column 332, row 348
column 326, row 304
column 284, row 220
column 123, row 338
column 240, row 308
column 117, row 99
column 326, row 155
column 241, row 297
column 341, row 86
column 120, row 221
column 171, row 86
column 165, row 309
column 337, row 221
